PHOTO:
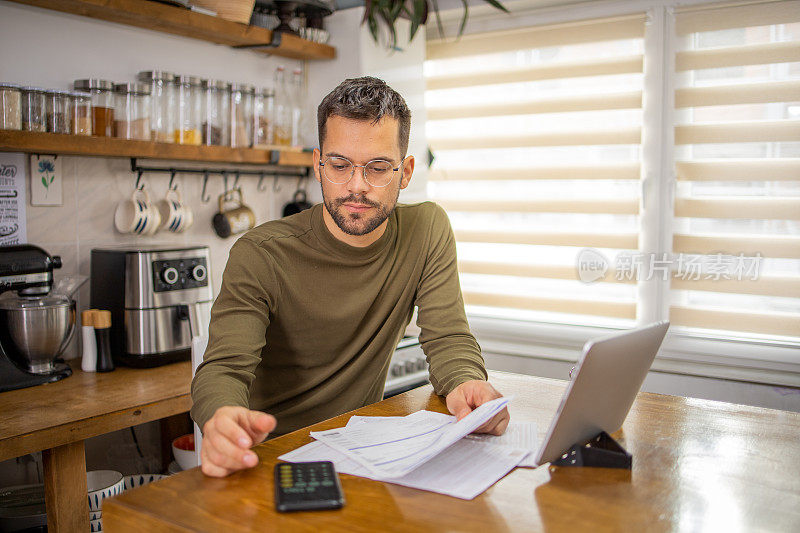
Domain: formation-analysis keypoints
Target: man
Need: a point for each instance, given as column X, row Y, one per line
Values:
column 312, row 306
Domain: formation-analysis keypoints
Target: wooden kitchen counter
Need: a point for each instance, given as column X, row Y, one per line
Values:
column 57, row 417
column 697, row 465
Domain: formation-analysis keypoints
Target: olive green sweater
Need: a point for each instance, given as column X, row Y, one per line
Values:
column 305, row 325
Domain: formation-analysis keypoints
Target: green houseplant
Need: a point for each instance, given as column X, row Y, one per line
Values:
column 378, row 13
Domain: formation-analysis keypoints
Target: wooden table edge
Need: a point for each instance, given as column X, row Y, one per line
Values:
column 85, row 428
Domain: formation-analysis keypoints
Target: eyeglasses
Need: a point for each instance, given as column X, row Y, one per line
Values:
column 339, row 170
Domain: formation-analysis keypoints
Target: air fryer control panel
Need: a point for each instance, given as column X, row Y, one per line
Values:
column 179, row 274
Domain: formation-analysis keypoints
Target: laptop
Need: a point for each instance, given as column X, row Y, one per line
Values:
column 604, row 384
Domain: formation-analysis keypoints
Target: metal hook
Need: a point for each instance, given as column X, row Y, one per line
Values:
column 139, row 183
column 203, row 195
column 172, row 173
column 260, row 187
column 236, row 180
column 275, row 187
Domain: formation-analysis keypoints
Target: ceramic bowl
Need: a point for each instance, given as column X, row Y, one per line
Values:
column 95, row 515
column 102, row 484
column 183, row 450
column 138, row 480
column 95, row 526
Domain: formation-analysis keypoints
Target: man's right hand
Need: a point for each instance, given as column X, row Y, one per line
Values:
column 227, row 438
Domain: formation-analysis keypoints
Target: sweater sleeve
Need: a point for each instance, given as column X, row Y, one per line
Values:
column 237, row 333
column 453, row 354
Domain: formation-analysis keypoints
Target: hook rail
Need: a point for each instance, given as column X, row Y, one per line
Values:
column 206, row 172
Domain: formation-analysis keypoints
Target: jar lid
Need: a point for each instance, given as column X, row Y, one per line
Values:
column 132, row 88
column 94, row 84
column 78, row 94
column 216, row 84
column 34, row 90
column 266, row 91
column 243, row 87
column 150, row 75
column 4, row 85
column 190, row 80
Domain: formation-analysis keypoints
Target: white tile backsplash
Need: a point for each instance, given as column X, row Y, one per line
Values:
column 94, row 186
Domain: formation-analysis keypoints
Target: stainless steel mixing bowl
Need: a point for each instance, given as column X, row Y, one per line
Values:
column 35, row 331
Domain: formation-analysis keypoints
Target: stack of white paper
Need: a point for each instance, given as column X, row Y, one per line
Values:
column 424, row 450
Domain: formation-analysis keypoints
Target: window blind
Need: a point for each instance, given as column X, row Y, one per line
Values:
column 536, row 141
column 737, row 137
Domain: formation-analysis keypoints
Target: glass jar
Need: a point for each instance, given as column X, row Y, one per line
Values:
column 102, row 92
column 57, row 111
column 189, row 108
column 162, row 104
column 10, row 106
column 81, row 113
column 33, row 109
column 263, row 109
column 242, row 115
column 216, row 116
column 283, row 109
column 132, row 111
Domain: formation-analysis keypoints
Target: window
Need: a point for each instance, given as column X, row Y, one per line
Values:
column 536, row 136
column 553, row 150
column 737, row 137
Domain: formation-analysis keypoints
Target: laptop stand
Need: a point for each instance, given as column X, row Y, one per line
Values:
column 600, row 451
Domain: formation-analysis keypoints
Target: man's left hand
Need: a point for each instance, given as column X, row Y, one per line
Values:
column 471, row 394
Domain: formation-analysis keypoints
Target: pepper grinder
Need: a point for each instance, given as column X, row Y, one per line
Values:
column 102, row 327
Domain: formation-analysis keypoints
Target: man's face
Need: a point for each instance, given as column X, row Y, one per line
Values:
column 356, row 207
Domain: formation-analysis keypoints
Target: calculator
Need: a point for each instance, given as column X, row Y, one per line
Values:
column 307, row 487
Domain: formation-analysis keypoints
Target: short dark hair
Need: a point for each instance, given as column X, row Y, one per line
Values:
column 365, row 98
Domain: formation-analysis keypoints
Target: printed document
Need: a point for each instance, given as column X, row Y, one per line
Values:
column 464, row 470
column 396, row 447
column 518, row 435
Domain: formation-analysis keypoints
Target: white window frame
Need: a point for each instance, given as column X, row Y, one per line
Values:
column 684, row 351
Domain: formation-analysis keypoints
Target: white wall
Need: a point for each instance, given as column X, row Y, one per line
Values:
column 358, row 55
column 48, row 48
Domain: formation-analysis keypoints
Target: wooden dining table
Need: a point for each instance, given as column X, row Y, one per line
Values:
column 698, row 465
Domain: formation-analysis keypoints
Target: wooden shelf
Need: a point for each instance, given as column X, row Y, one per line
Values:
column 179, row 21
column 53, row 143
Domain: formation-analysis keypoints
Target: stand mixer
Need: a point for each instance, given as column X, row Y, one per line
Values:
column 35, row 326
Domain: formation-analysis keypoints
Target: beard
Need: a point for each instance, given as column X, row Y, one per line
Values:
column 357, row 223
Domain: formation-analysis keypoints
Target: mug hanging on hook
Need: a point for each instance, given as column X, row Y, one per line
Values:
column 299, row 202
column 232, row 219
